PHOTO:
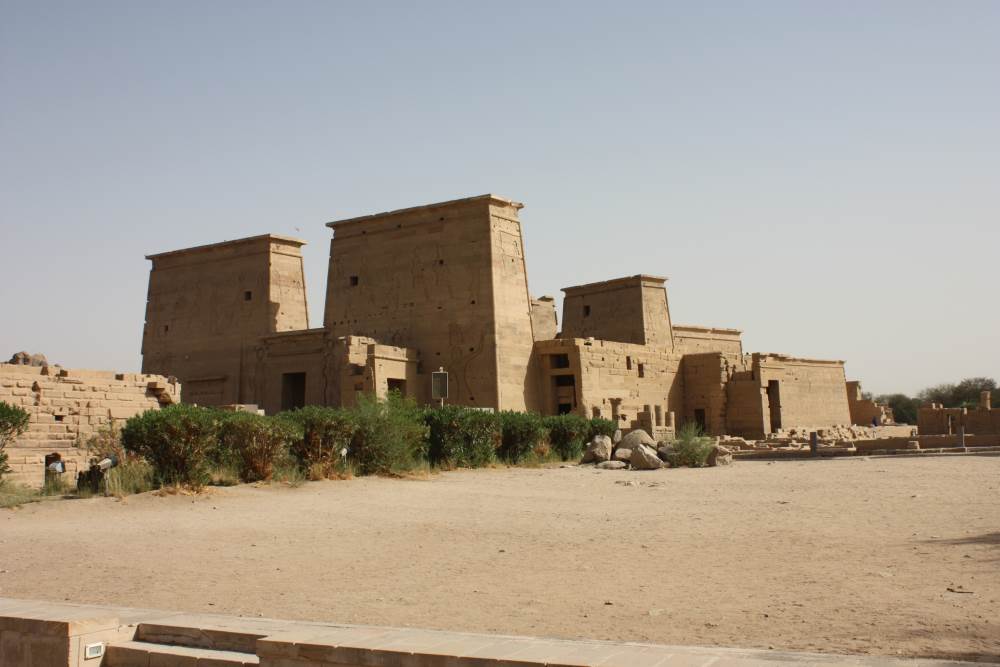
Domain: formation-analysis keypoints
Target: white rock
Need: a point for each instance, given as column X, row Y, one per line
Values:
column 636, row 438
column 598, row 450
column 645, row 458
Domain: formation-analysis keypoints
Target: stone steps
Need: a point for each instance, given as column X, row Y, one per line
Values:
column 147, row 654
column 199, row 632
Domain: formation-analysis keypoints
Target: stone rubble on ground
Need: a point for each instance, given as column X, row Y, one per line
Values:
column 720, row 456
column 622, row 454
column 598, row 450
column 638, row 451
column 644, row 458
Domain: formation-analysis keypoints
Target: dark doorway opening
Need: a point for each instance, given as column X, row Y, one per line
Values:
column 699, row 419
column 397, row 385
column 293, row 390
column 564, row 409
column 774, row 404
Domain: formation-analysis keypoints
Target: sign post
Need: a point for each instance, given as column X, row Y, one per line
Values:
column 439, row 385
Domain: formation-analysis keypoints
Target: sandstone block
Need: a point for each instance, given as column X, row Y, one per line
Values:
column 720, row 456
column 598, row 450
column 645, row 458
column 637, row 437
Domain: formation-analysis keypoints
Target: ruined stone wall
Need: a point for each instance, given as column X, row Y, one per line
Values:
column 705, row 399
column 67, row 406
column 638, row 386
column 207, row 306
column 447, row 280
column 864, row 410
column 696, row 340
column 626, row 310
column 335, row 369
column 810, row 392
column 935, row 419
column 544, row 323
column 746, row 406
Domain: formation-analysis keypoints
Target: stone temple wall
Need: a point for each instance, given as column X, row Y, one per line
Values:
column 67, row 406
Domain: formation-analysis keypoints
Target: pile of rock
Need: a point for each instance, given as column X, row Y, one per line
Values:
column 639, row 451
column 826, row 434
column 25, row 359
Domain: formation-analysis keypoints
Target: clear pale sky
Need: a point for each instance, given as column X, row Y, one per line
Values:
column 823, row 176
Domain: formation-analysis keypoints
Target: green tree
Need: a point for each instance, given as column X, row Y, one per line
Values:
column 904, row 408
column 13, row 422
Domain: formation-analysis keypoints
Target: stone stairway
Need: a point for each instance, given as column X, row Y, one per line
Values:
column 147, row 654
column 178, row 644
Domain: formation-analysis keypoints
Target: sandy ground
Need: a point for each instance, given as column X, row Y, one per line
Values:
column 850, row 556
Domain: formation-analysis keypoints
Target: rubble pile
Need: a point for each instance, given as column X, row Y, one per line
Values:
column 639, row 451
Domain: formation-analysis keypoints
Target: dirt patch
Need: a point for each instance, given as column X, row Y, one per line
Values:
column 889, row 556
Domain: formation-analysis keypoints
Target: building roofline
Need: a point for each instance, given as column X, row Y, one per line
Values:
column 786, row 357
column 291, row 240
column 692, row 327
column 486, row 197
column 614, row 282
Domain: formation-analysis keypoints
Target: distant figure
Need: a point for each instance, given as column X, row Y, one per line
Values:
column 874, row 422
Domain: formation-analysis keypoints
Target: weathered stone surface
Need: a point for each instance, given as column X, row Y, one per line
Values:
column 664, row 452
column 448, row 281
column 598, row 450
column 24, row 359
column 622, row 454
column 645, row 458
column 617, row 437
column 612, row 465
column 720, row 456
column 67, row 408
column 636, row 438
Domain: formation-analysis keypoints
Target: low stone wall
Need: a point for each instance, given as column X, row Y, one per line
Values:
column 927, row 442
column 51, row 634
column 67, row 406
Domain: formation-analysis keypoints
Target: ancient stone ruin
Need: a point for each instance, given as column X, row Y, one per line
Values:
column 445, row 286
column 67, row 406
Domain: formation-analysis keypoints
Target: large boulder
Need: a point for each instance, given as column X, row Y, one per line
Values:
column 664, row 452
column 617, row 437
column 719, row 456
column 598, row 450
column 645, row 458
column 622, row 454
column 612, row 465
column 636, row 438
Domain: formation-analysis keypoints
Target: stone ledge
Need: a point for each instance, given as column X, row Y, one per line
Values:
column 305, row 644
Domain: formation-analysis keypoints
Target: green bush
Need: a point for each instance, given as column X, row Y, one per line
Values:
column 690, row 447
column 254, row 443
column 459, row 436
column 177, row 441
column 320, row 438
column 567, row 434
column 390, row 435
column 601, row 426
column 13, row 422
column 521, row 435
column 132, row 475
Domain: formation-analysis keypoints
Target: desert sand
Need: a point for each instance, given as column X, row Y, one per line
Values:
column 867, row 555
